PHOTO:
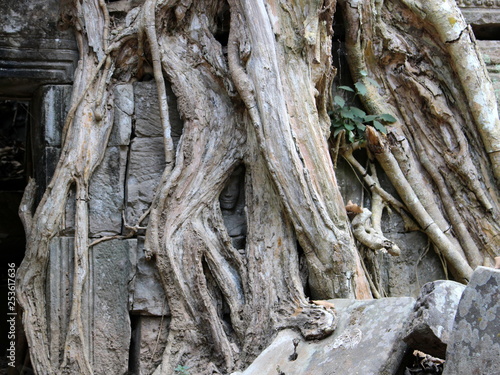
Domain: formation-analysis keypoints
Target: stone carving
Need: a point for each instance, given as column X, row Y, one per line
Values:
column 478, row 3
column 232, row 204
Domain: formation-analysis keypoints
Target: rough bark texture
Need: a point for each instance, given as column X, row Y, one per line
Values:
column 252, row 80
column 439, row 154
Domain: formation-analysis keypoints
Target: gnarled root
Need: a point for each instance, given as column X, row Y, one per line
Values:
column 370, row 237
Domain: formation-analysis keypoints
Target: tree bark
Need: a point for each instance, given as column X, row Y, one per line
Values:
column 439, row 154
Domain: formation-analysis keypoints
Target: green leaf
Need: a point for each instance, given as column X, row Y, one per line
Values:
column 349, row 126
column 364, row 73
column 358, row 112
column 338, row 131
column 346, row 88
column 361, row 126
column 370, row 118
column 381, row 128
column 387, row 117
column 347, row 113
column 339, row 101
column 360, row 87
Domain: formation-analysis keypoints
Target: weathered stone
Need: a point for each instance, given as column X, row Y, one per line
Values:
column 474, row 347
column 147, row 161
column 146, row 291
column 149, row 341
column 147, row 112
column 491, row 54
column 367, row 341
column 104, row 302
column 45, row 166
column 68, row 223
column 480, row 12
column 432, row 324
column 124, row 110
column 107, row 193
column 405, row 274
column 51, row 105
column 111, row 273
column 33, row 51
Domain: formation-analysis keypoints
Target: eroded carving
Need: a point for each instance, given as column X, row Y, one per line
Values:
column 232, row 204
column 478, row 3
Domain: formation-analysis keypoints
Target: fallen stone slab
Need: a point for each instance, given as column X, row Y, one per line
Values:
column 367, row 341
column 432, row 323
column 475, row 343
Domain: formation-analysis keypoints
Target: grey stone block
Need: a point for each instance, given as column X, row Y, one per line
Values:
column 146, row 291
column 147, row 161
column 147, row 112
column 111, row 331
column 45, row 165
column 107, row 193
column 432, row 324
column 124, row 110
column 367, row 341
column 54, row 102
column 475, row 342
column 150, row 338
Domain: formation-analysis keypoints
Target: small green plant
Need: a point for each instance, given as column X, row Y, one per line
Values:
column 353, row 120
column 182, row 370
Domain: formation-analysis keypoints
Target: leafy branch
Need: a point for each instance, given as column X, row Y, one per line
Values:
column 353, row 120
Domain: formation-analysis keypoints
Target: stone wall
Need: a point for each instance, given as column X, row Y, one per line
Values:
column 122, row 282
column 33, row 51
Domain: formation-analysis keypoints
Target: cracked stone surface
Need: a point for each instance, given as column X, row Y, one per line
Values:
column 435, row 309
column 475, row 343
column 367, row 341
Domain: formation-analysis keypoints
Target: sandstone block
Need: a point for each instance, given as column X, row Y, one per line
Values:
column 432, row 324
column 124, row 110
column 147, row 110
column 367, row 341
column 474, row 346
column 107, row 193
column 111, row 273
column 150, row 339
column 147, row 161
column 146, row 291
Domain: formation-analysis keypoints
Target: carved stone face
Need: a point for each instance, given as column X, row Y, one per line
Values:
column 229, row 196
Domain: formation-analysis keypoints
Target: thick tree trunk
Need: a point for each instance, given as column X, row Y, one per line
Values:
column 256, row 106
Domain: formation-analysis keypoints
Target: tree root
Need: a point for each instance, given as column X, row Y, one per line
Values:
column 370, row 237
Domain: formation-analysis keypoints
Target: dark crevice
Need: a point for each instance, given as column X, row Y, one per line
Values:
column 176, row 123
column 14, row 168
column 303, row 271
column 222, row 22
column 221, row 305
column 135, row 345
column 487, row 32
